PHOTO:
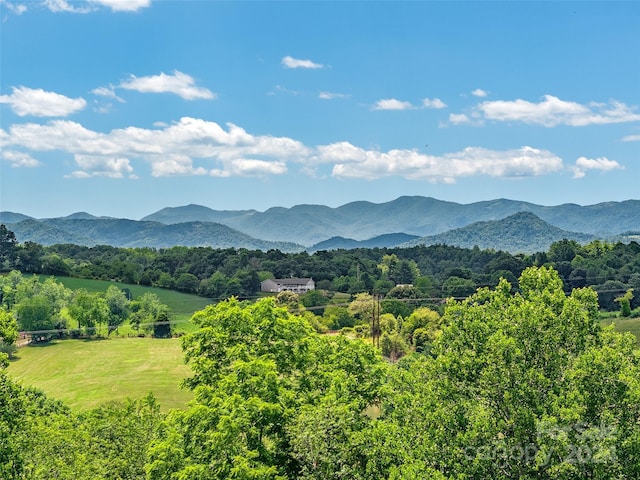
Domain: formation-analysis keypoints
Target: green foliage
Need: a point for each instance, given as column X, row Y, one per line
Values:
column 392, row 345
column 89, row 310
column 260, row 376
column 457, row 287
column 336, row 317
column 118, row 305
column 8, row 333
column 314, row 300
column 362, row 307
column 8, row 248
column 427, row 321
column 147, row 311
column 181, row 304
column 513, row 386
column 220, row 273
column 8, row 328
column 625, row 303
column 108, row 442
column 35, row 314
column 288, row 299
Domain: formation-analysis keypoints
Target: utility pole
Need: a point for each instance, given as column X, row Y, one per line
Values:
column 375, row 320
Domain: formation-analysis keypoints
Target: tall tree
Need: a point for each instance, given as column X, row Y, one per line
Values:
column 8, row 332
column 119, row 307
column 150, row 313
column 255, row 368
column 8, row 248
column 518, row 386
column 89, row 310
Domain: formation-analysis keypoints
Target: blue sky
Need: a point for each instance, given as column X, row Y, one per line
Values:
column 123, row 107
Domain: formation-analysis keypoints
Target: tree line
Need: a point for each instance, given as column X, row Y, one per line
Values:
column 436, row 271
column 46, row 309
column 522, row 384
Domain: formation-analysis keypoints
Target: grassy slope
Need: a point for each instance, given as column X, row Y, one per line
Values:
column 84, row 374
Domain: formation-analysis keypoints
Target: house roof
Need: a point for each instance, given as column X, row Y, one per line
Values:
column 291, row 281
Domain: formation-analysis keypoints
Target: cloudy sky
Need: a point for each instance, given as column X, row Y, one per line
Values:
column 123, row 107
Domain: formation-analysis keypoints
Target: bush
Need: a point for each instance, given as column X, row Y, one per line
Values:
column 393, row 346
column 8, row 348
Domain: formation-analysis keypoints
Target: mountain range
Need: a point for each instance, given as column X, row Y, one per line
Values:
column 501, row 224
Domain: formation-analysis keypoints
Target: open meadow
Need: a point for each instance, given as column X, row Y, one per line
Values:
column 85, row 373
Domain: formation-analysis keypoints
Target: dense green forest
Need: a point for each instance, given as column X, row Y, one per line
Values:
column 435, row 272
column 508, row 385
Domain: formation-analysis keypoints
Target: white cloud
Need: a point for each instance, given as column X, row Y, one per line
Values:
column 123, row 5
column 179, row 83
column 39, row 103
column 175, row 164
column 100, row 166
column 631, row 138
column 290, row 62
column 332, row 96
column 252, row 167
column 58, row 6
column 169, row 150
column 19, row 159
column 16, row 8
column 194, row 146
column 478, row 92
column 107, row 92
column 434, row 103
column 392, row 104
column 340, row 152
column 603, row 164
column 552, row 111
column 353, row 162
column 281, row 89
column 459, row 119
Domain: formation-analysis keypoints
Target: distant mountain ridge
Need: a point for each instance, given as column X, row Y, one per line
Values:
column 387, row 240
column 420, row 216
column 522, row 232
column 353, row 225
column 134, row 233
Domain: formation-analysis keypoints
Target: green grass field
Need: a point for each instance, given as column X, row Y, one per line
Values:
column 85, row 373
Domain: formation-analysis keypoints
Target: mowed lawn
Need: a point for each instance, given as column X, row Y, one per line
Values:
column 85, row 373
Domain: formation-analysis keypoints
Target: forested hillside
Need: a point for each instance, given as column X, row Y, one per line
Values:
column 80, row 230
column 521, row 232
column 304, row 226
column 434, row 272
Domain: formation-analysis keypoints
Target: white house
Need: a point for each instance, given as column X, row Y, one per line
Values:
column 297, row 285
